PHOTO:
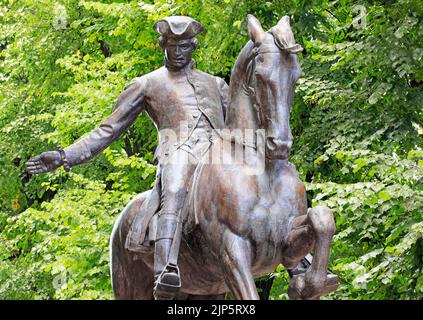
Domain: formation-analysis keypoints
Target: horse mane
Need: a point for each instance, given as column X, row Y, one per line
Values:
column 239, row 112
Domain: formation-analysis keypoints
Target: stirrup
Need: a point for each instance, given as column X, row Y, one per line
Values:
column 167, row 284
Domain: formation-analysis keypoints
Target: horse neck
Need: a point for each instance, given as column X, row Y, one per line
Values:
column 241, row 113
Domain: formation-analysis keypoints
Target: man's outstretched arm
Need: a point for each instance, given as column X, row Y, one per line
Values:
column 129, row 105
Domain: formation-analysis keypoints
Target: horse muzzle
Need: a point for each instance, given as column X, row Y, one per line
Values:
column 277, row 148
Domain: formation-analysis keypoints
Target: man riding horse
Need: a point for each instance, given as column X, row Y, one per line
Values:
column 188, row 108
column 180, row 100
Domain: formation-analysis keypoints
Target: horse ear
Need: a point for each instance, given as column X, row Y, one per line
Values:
column 255, row 31
column 284, row 37
column 284, row 20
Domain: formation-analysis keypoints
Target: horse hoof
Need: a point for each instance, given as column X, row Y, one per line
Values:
column 296, row 287
column 299, row 289
column 331, row 284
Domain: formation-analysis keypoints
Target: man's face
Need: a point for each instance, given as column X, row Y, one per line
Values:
column 179, row 53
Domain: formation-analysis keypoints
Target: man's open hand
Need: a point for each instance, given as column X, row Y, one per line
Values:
column 44, row 162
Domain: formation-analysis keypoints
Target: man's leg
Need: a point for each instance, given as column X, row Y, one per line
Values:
column 167, row 280
column 174, row 177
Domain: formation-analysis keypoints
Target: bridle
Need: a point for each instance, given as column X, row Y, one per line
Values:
column 250, row 90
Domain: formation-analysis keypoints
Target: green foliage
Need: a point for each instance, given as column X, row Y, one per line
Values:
column 357, row 117
column 356, row 120
column 62, row 247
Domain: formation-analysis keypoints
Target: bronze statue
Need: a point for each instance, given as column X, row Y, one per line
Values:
column 232, row 225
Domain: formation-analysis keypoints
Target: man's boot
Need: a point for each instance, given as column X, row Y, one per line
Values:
column 167, row 281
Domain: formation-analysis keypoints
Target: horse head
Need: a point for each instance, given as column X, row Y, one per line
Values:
column 272, row 72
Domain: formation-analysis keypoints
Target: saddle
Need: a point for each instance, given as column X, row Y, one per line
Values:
column 142, row 232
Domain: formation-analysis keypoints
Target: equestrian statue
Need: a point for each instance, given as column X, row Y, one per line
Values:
column 226, row 206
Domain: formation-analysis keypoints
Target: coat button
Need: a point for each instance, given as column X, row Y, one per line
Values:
column 190, row 125
column 195, row 115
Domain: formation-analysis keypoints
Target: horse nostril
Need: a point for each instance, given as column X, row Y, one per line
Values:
column 278, row 148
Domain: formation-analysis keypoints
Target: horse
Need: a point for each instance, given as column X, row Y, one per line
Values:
column 245, row 224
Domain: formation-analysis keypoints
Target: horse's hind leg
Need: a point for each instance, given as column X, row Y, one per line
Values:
column 316, row 229
column 132, row 280
column 131, row 277
column 236, row 254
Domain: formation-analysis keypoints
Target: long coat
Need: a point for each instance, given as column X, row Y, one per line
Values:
column 154, row 93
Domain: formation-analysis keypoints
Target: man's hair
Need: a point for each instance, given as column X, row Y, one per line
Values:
column 163, row 41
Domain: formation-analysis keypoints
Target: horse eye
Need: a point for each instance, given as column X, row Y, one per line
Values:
column 260, row 58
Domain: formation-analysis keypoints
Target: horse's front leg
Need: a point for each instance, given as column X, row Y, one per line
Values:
column 236, row 253
column 316, row 229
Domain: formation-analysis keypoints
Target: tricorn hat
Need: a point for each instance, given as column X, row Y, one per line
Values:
column 178, row 27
